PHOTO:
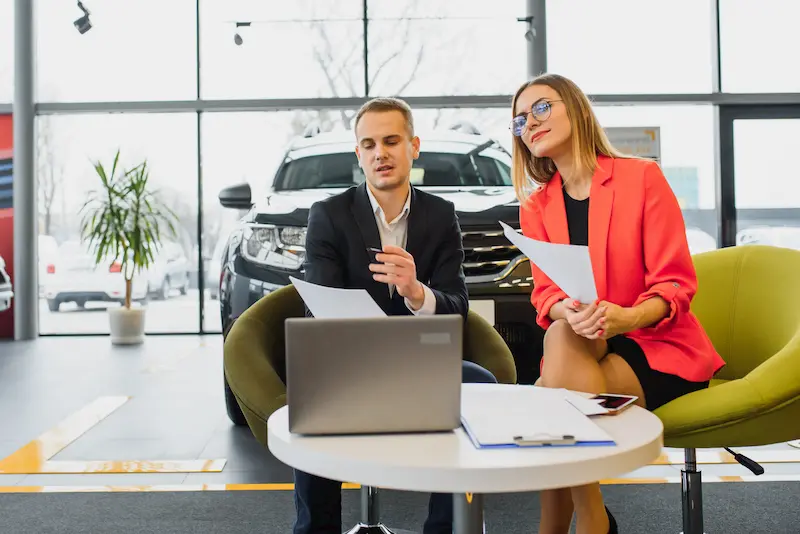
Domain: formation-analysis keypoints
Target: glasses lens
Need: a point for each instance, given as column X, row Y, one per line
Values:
column 541, row 110
column 518, row 125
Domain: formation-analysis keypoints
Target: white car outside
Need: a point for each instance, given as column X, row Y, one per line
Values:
column 74, row 277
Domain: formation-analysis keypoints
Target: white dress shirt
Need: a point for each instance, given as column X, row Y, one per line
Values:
column 396, row 233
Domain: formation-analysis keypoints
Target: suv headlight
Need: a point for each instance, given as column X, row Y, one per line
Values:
column 274, row 246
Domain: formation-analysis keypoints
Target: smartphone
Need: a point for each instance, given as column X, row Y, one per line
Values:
column 372, row 251
column 615, row 403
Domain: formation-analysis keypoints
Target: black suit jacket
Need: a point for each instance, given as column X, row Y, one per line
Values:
column 342, row 227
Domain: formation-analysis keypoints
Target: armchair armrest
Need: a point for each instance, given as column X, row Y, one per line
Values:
column 251, row 375
column 708, row 408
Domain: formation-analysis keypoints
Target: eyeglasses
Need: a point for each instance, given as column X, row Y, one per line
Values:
column 540, row 111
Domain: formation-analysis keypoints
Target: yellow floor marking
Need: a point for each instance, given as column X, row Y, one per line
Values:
column 706, row 457
column 35, row 457
column 158, row 488
column 290, row 487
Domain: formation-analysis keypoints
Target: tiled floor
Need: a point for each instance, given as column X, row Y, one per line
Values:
column 158, row 409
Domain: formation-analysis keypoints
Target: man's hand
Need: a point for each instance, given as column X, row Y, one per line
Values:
column 397, row 267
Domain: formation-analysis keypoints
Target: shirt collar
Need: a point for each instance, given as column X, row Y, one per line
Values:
column 377, row 210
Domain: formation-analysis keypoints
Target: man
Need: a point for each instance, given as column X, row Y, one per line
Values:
column 419, row 270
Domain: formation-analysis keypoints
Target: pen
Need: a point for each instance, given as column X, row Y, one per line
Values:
column 542, row 440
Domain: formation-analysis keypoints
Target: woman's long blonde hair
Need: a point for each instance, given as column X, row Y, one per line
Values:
column 588, row 139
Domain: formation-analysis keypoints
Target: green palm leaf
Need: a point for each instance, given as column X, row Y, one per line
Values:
column 124, row 221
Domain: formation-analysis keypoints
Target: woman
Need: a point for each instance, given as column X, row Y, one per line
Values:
column 639, row 338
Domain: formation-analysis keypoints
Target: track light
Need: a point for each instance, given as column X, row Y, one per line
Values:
column 83, row 24
column 237, row 37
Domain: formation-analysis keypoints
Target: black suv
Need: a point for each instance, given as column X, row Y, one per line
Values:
column 469, row 169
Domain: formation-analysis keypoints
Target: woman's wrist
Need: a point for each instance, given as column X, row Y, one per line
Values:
column 646, row 313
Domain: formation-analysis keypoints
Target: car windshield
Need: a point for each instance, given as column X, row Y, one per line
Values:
column 432, row 169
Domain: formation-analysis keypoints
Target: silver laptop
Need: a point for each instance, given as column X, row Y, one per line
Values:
column 377, row 375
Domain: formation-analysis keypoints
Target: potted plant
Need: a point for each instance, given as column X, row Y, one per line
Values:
column 123, row 222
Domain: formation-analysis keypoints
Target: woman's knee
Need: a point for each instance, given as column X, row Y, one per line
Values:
column 472, row 373
column 569, row 360
column 560, row 338
column 557, row 333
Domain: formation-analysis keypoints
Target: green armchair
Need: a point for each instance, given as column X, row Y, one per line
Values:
column 747, row 301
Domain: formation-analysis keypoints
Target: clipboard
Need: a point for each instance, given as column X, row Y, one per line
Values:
column 511, row 416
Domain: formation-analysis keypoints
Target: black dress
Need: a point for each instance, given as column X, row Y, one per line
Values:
column 659, row 388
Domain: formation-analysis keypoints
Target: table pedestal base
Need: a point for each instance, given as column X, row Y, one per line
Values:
column 468, row 513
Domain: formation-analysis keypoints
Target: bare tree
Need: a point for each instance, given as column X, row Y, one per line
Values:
column 342, row 63
column 50, row 174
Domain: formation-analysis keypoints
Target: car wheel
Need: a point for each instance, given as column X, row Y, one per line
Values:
column 234, row 411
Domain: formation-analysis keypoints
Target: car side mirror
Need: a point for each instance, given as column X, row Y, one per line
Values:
column 237, row 197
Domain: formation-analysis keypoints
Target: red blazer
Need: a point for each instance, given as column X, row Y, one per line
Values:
column 638, row 249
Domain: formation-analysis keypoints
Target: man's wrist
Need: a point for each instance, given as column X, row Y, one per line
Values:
column 417, row 298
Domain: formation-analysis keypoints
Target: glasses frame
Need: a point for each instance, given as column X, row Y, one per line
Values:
column 518, row 123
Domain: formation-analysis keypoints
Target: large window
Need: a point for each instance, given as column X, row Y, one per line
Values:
column 755, row 40
column 74, row 292
column 299, row 49
column 439, row 47
column 767, row 189
column 630, row 46
column 687, row 159
column 143, row 50
column 6, row 51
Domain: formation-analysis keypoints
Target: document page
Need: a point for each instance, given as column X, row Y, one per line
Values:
column 495, row 415
column 568, row 266
column 335, row 303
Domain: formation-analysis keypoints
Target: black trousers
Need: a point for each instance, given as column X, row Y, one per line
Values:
column 318, row 501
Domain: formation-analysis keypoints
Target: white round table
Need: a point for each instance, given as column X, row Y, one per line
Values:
column 449, row 463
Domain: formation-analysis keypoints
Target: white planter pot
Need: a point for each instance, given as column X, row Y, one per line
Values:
column 127, row 325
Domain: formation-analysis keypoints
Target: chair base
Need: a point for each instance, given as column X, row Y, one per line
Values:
column 380, row 528
column 692, row 495
column 362, row 528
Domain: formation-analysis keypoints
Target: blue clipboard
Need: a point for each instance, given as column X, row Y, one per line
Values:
column 538, row 441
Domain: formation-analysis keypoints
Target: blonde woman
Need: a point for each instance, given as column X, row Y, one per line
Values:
column 639, row 338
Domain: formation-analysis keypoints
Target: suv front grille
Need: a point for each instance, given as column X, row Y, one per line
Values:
column 487, row 253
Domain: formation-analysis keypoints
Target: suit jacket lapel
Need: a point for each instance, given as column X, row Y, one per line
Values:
column 365, row 220
column 600, row 204
column 415, row 238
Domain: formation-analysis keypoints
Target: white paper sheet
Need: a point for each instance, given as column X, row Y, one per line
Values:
column 568, row 266
column 586, row 405
column 496, row 414
column 335, row 303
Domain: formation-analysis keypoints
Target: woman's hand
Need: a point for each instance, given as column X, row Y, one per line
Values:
column 614, row 321
column 585, row 319
column 598, row 320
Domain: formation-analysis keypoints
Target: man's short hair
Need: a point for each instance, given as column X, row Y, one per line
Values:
column 387, row 104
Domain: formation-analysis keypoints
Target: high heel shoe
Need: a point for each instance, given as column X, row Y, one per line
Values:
column 612, row 523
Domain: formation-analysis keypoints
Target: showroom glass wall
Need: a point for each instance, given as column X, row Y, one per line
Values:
column 170, row 83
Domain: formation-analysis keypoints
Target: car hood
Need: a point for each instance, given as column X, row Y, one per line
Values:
column 475, row 206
